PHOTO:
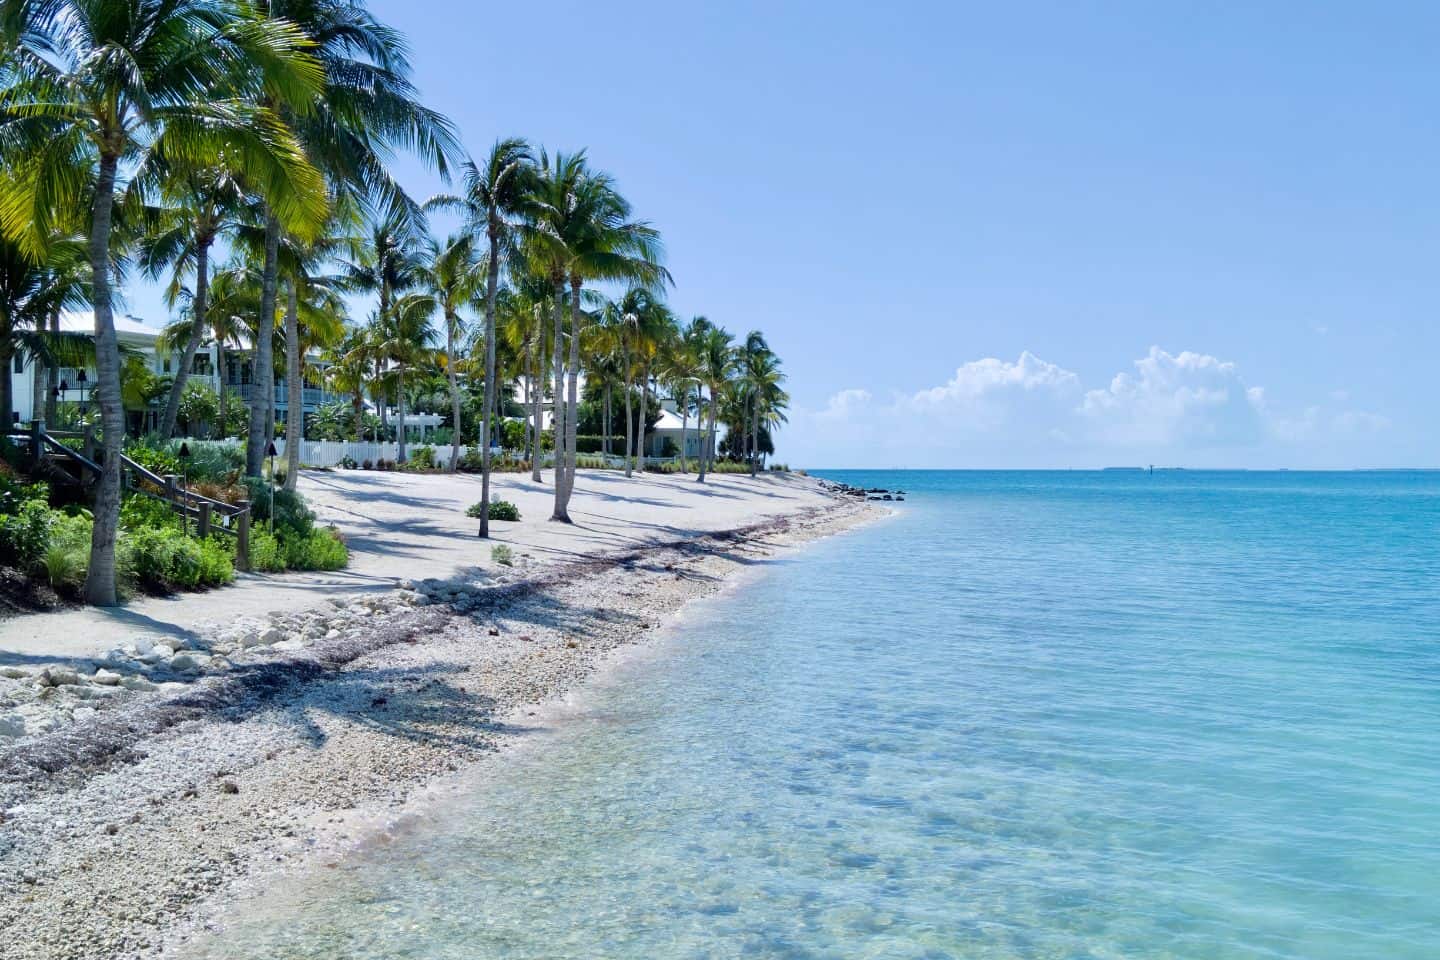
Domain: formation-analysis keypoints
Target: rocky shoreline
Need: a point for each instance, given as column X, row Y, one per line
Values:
column 140, row 788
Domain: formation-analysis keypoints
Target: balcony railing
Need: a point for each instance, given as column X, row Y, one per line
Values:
column 309, row 396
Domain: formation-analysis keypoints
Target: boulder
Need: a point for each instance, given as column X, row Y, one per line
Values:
column 189, row 662
column 14, row 673
column 290, row 645
column 106, row 678
column 12, row 725
column 59, row 676
column 264, row 638
column 137, row 683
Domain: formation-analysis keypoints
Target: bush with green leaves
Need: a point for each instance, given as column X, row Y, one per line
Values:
column 502, row 555
column 138, row 511
column 291, row 513
column 167, row 560
column 421, row 458
column 25, row 534
column 15, row 493
column 499, row 510
column 322, row 549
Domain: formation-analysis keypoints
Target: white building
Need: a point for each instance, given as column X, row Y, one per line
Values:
column 76, row 386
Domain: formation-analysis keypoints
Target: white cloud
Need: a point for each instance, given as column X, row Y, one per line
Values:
column 1186, row 398
column 1184, row 408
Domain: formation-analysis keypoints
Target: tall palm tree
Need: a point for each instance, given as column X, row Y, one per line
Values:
column 314, row 319
column 348, row 366
column 407, row 338
column 760, row 380
column 452, row 275
column 581, row 229
column 368, row 107
column 387, row 264
column 717, row 361
column 496, row 192
column 197, row 208
column 31, row 294
column 682, row 373
column 93, row 85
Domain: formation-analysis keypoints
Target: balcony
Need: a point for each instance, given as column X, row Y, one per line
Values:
column 310, row 396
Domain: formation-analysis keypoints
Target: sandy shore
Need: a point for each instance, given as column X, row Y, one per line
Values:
column 414, row 525
column 129, row 824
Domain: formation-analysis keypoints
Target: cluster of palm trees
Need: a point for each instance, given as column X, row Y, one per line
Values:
column 159, row 136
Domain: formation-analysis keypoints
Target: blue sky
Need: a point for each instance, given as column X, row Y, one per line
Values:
column 1022, row 234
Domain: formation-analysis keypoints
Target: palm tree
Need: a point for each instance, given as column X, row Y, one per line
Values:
column 717, row 362
column 581, row 229
column 199, row 207
column 452, row 276
column 31, row 294
column 94, row 84
column 496, row 192
column 368, row 107
column 682, row 372
column 760, row 380
column 348, row 367
column 407, row 338
column 314, row 315
column 387, row 264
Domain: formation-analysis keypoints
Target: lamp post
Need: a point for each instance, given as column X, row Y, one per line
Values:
column 82, row 385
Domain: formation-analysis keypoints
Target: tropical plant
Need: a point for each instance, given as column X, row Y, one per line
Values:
column 94, row 84
column 496, row 192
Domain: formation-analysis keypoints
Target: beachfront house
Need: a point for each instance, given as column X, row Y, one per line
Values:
column 74, row 390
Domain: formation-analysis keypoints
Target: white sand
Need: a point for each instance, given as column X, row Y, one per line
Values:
column 413, row 526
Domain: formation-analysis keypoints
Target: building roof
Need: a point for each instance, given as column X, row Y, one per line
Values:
column 73, row 321
column 669, row 420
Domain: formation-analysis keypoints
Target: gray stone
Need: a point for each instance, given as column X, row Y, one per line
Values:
column 59, row 676
column 189, row 662
column 12, row 725
column 138, row 683
column 14, row 673
column 106, row 678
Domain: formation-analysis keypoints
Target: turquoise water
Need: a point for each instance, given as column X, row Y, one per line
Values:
column 1037, row 715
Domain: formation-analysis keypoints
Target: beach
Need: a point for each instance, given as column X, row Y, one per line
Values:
column 295, row 716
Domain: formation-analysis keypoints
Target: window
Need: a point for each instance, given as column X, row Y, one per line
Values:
column 19, row 363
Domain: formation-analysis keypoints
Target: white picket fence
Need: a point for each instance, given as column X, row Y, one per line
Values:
column 331, row 453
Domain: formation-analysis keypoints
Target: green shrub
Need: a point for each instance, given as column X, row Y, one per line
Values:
column 167, row 560
column 502, row 555
column 266, row 554
column 499, row 510
column 25, row 535
column 137, row 511
column 64, row 567
column 322, row 549
column 421, row 458
column 291, row 513
column 14, row 494
column 158, row 460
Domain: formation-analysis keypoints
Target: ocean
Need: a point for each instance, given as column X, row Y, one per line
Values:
column 1033, row 715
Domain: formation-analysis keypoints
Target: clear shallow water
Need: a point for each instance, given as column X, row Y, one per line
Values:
column 1043, row 715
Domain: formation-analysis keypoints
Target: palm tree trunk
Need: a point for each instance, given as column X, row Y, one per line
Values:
column 400, row 412
column 100, row 580
column 223, row 408
column 262, row 396
column 704, row 441
column 52, row 376
column 37, row 387
column 450, row 321
column 197, row 333
column 559, row 409
column 492, row 286
column 357, row 403
column 629, row 420
column 572, row 416
column 537, row 398
column 644, row 402
column 754, row 434
column 684, row 431
column 605, row 436
column 7, row 380
column 294, row 395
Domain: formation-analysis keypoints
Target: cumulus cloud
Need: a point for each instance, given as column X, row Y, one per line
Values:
column 1185, row 407
column 1185, row 398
